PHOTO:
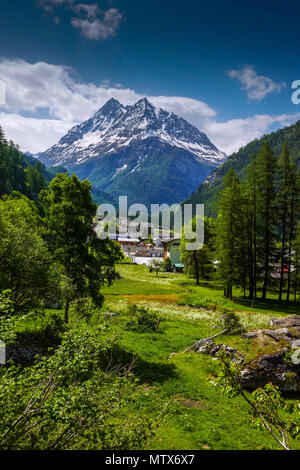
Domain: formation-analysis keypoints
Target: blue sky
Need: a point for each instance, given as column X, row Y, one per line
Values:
column 225, row 65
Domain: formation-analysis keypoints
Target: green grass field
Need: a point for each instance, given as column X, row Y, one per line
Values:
column 200, row 416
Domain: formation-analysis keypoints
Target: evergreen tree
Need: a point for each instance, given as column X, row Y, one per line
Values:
column 198, row 263
column 250, row 193
column 296, row 260
column 267, row 210
column 284, row 196
column 16, row 173
column 293, row 216
column 230, row 234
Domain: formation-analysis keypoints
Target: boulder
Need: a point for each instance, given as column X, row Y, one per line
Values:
column 288, row 335
column 272, row 368
column 280, row 367
column 288, row 322
column 110, row 315
column 209, row 347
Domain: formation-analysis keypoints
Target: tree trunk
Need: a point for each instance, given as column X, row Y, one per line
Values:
column 282, row 250
column 67, row 308
column 291, row 236
column 196, row 268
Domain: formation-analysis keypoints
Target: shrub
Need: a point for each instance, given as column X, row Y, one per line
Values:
column 83, row 309
column 167, row 265
column 230, row 321
column 200, row 302
column 142, row 320
column 8, row 319
column 70, row 401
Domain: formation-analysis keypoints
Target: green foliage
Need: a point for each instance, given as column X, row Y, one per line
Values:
column 198, row 263
column 167, row 265
column 200, row 302
column 83, row 309
column 87, row 262
column 266, row 404
column 252, row 216
column 230, row 234
column 19, row 172
column 142, row 320
column 70, row 401
column 208, row 193
column 24, row 257
column 230, row 321
column 7, row 318
column 150, row 239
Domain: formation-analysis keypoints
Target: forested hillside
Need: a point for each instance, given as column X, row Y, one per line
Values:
column 207, row 193
column 21, row 172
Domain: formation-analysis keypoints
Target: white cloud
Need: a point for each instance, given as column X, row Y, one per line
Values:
column 230, row 136
column 256, row 86
column 54, row 92
column 92, row 22
column 32, row 134
column 102, row 25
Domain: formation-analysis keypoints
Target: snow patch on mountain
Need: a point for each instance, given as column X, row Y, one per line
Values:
column 116, row 126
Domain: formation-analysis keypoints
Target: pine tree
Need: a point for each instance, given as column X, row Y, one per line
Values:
column 293, row 216
column 267, row 210
column 296, row 259
column 250, row 192
column 284, row 196
column 230, row 234
column 198, row 263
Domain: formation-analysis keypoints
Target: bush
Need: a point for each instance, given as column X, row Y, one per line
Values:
column 230, row 321
column 70, row 401
column 142, row 320
column 200, row 302
column 167, row 265
column 83, row 309
column 8, row 319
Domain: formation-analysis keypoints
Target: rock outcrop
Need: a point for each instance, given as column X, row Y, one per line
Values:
column 277, row 360
column 209, row 347
column 281, row 366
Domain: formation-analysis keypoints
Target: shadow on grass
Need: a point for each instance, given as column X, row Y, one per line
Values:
column 145, row 371
column 30, row 345
column 292, row 308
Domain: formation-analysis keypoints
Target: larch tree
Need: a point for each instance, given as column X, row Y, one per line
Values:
column 230, row 233
column 284, row 199
column 267, row 210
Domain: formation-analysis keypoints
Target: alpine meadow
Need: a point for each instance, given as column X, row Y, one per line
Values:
column 170, row 334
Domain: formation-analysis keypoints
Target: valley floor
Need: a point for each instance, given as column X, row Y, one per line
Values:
column 200, row 416
column 192, row 415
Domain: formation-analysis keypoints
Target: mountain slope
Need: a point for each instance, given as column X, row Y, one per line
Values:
column 146, row 153
column 207, row 192
column 21, row 172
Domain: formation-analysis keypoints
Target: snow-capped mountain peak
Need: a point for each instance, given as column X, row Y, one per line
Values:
column 150, row 154
column 115, row 126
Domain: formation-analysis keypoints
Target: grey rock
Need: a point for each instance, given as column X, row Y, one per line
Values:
column 279, row 368
column 110, row 315
column 289, row 322
column 212, row 349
